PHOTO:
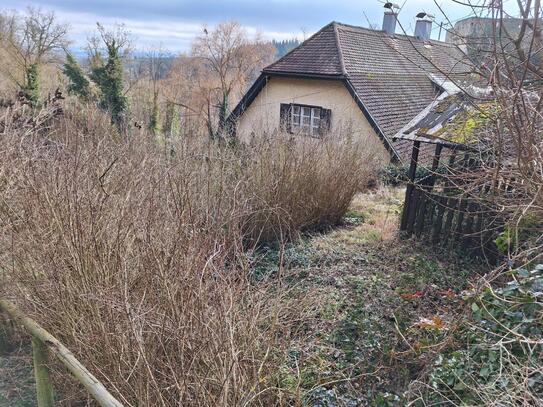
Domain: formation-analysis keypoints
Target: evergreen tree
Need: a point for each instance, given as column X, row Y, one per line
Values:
column 223, row 111
column 284, row 46
column 79, row 83
column 154, row 121
column 31, row 89
column 108, row 76
column 172, row 126
column 112, row 85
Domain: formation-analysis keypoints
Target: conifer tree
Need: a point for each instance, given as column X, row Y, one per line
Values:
column 154, row 121
column 79, row 83
column 112, row 85
column 109, row 76
column 31, row 89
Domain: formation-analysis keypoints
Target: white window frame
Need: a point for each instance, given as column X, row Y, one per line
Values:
column 300, row 112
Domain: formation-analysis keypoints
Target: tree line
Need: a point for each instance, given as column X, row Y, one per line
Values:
column 190, row 93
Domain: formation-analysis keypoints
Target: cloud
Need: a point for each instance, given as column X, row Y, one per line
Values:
column 174, row 23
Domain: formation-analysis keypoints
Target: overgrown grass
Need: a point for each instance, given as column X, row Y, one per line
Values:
column 380, row 308
column 135, row 254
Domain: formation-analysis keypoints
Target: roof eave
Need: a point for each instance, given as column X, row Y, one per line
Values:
column 248, row 98
column 434, row 140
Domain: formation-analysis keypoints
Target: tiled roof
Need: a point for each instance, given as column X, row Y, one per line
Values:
column 389, row 74
column 318, row 55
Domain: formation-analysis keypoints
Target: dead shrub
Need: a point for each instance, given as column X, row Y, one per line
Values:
column 133, row 254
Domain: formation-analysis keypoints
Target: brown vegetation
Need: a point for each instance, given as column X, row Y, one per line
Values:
column 135, row 256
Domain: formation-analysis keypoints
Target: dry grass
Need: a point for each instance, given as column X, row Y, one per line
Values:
column 374, row 215
column 134, row 255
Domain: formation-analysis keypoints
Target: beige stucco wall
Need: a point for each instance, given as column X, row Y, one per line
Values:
column 264, row 113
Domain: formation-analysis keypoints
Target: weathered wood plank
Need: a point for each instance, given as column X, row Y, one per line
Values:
column 467, row 233
column 425, row 199
column 413, row 209
column 438, row 223
column 460, row 219
column 421, row 213
column 44, row 386
column 410, row 185
column 450, row 212
column 430, row 214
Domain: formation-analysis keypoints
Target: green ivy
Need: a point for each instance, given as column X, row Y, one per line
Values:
column 500, row 318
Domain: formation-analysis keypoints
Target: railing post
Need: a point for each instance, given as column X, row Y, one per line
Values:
column 43, row 382
column 44, row 386
column 410, row 185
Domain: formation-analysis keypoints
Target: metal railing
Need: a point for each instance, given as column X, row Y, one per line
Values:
column 44, row 344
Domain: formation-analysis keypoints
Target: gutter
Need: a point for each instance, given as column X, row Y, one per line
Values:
column 302, row 75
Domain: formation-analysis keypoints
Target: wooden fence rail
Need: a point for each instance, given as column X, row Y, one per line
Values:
column 441, row 219
column 44, row 344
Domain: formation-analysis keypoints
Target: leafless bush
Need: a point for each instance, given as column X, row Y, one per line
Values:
column 507, row 176
column 133, row 255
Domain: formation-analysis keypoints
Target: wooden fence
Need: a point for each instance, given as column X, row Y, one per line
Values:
column 43, row 345
column 441, row 212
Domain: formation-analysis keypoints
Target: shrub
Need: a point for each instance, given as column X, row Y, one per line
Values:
column 133, row 257
column 502, row 362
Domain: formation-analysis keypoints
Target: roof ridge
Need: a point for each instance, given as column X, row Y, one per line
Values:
column 399, row 36
column 340, row 49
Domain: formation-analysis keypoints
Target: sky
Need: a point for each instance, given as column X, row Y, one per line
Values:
column 172, row 24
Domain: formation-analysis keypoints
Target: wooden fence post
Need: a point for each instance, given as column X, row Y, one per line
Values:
column 410, row 185
column 44, row 386
column 80, row 372
column 426, row 199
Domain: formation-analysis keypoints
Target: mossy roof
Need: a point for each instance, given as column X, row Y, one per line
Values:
column 454, row 119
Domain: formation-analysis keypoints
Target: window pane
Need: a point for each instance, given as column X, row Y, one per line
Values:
column 306, row 120
column 316, row 112
column 296, row 109
column 306, row 111
column 316, row 121
column 296, row 119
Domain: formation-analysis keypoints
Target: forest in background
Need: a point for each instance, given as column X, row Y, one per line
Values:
column 192, row 93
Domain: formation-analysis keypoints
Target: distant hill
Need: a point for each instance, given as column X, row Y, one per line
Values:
column 283, row 47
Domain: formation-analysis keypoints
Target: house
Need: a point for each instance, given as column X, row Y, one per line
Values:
column 371, row 82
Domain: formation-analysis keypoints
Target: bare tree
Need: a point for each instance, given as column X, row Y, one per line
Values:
column 31, row 41
column 233, row 60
